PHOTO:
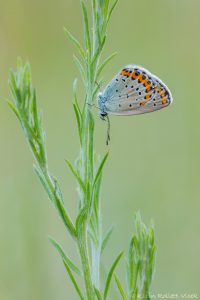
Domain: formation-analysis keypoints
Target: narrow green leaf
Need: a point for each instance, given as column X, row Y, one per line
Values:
column 86, row 26
column 151, row 268
column 28, row 129
column 26, row 82
column 95, row 15
column 75, row 96
column 93, row 225
column 78, row 120
column 106, row 239
column 77, row 110
column 44, row 182
column 99, row 31
column 106, row 7
column 12, row 81
column 109, row 277
column 64, row 216
column 94, row 10
column 73, row 281
column 93, row 238
column 98, row 295
column 80, row 67
column 75, row 174
column 75, row 42
column 98, row 52
column 104, row 63
column 133, row 265
column 120, row 288
column 14, row 109
column 112, row 9
column 96, row 199
column 57, row 189
column 100, row 169
column 57, row 201
column 35, row 111
column 69, row 262
column 134, row 295
column 80, row 220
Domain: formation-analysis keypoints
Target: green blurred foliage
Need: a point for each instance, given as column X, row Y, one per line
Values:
column 154, row 159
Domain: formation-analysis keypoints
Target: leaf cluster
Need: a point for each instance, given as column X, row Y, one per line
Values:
column 141, row 260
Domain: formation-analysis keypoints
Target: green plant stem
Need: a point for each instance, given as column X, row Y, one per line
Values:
column 95, row 266
column 145, row 292
column 87, row 231
column 87, row 177
column 83, row 250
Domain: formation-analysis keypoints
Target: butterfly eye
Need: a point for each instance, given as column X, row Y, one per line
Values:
column 103, row 114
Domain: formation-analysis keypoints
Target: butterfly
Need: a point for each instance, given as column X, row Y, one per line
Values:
column 133, row 91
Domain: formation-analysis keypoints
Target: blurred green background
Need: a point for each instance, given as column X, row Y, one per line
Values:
column 154, row 163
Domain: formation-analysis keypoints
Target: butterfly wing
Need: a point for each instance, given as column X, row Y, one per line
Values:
column 135, row 91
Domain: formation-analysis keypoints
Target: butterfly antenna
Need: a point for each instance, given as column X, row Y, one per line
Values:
column 108, row 131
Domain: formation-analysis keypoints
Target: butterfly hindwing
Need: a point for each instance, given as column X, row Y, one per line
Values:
column 135, row 91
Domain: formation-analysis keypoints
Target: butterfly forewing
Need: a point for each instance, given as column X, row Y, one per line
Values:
column 135, row 91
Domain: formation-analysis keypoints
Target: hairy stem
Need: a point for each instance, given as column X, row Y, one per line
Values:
column 83, row 250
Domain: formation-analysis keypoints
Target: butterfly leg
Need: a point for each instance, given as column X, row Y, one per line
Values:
column 98, row 85
column 92, row 105
column 104, row 117
column 108, row 131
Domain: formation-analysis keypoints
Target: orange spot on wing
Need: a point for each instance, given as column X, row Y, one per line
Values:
column 142, row 103
column 159, row 90
column 148, row 88
column 144, row 81
column 134, row 76
column 141, row 79
column 148, row 96
column 126, row 73
column 162, row 94
column 164, row 101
